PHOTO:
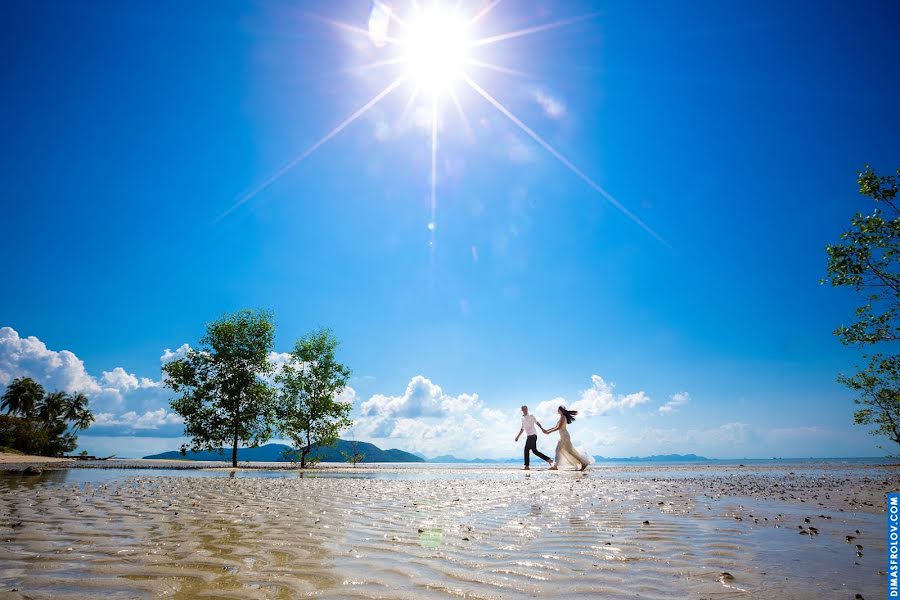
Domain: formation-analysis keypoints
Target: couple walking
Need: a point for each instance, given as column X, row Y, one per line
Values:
column 565, row 452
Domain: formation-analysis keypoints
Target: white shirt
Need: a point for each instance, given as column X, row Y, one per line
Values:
column 528, row 424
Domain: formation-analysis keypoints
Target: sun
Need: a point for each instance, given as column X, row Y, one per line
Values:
column 434, row 47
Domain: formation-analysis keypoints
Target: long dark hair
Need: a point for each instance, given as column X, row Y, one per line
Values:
column 568, row 414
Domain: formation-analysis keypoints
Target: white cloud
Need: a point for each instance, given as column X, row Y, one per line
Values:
column 601, row 398
column 114, row 391
column 427, row 420
column 553, row 107
column 280, row 358
column 30, row 357
column 424, row 418
column 422, row 398
column 547, row 410
column 154, row 419
column 168, row 355
column 675, row 402
column 347, row 395
column 124, row 381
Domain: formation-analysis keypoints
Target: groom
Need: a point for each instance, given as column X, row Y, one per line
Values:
column 528, row 423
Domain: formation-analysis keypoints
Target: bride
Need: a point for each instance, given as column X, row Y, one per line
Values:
column 565, row 452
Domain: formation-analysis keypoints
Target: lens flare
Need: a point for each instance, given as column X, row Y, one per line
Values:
column 379, row 24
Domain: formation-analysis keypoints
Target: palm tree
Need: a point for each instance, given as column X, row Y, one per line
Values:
column 75, row 403
column 51, row 407
column 77, row 411
column 83, row 419
column 22, row 396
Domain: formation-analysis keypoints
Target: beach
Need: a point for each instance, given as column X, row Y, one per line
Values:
column 453, row 532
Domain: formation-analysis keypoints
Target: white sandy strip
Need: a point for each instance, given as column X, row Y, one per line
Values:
column 7, row 458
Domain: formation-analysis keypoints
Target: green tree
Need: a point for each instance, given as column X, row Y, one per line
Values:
column 51, row 407
column 50, row 414
column 308, row 409
column 225, row 398
column 76, row 411
column 865, row 261
column 22, row 397
column 43, row 427
column 23, row 435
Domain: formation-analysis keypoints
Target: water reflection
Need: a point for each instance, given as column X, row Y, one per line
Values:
column 12, row 480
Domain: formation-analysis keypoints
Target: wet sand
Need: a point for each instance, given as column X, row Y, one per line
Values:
column 494, row 533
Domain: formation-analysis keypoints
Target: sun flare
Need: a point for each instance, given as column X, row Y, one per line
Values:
column 434, row 46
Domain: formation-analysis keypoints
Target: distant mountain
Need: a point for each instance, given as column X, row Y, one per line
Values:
column 656, row 458
column 448, row 458
column 275, row 453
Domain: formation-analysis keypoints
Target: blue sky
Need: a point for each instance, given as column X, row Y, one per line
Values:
column 733, row 130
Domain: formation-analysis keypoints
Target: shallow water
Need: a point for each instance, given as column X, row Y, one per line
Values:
column 493, row 533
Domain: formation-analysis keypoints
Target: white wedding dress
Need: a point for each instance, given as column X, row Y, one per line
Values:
column 566, row 454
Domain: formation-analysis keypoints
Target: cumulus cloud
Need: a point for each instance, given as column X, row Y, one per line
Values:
column 546, row 410
column 427, row 420
column 169, row 355
column 422, row 398
column 280, row 358
column 124, row 404
column 122, row 380
column 470, row 435
column 30, row 357
column 114, row 391
column 597, row 400
column 553, row 107
column 423, row 418
column 675, row 402
column 154, row 423
column 347, row 396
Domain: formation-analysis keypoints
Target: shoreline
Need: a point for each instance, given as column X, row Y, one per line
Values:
column 14, row 462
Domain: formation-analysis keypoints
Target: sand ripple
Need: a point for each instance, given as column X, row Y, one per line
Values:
column 542, row 535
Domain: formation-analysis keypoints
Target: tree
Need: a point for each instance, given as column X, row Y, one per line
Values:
column 354, row 456
column 43, row 427
column 51, row 407
column 866, row 261
column 23, row 435
column 22, row 397
column 77, row 412
column 308, row 410
column 225, row 398
column 50, row 413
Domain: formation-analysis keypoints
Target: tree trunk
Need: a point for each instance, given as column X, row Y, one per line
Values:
column 237, row 425
column 304, row 452
column 234, row 449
